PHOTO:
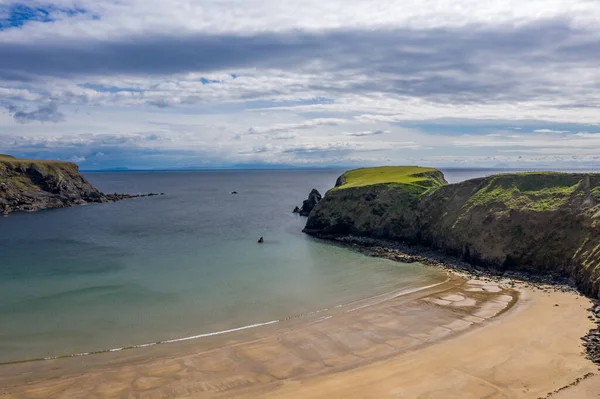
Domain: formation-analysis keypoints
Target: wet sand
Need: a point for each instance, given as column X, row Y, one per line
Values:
column 586, row 389
column 459, row 339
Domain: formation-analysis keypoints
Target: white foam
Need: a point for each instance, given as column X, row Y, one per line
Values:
column 169, row 341
column 218, row 332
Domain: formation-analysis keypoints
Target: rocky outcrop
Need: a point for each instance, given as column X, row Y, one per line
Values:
column 29, row 185
column 542, row 223
column 308, row 205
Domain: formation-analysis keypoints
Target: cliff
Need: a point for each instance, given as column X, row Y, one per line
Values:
column 29, row 185
column 377, row 202
column 543, row 223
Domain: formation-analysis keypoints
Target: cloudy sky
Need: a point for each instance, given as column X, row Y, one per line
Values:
column 220, row 83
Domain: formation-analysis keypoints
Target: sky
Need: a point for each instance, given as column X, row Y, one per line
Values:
column 154, row 84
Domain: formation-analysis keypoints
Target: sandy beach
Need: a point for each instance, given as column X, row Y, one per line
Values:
column 457, row 339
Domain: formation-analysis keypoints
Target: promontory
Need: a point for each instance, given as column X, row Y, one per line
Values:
column 538, row 222
column 29, row 185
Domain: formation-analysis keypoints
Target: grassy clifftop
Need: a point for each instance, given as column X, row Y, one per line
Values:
column 408, row 175
column 536, row 191
column 535, row 222
column 8, row 162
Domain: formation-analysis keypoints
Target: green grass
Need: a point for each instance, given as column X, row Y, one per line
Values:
column 537, row 191
column 12, row 160
column 9, row 164
column 410, row 175
column 22, row 162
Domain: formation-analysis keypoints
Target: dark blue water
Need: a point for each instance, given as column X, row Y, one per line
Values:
column 112, row 275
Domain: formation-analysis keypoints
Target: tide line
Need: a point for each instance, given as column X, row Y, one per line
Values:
column 168, row 341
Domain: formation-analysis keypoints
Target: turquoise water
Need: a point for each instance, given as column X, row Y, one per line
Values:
column 112, row 275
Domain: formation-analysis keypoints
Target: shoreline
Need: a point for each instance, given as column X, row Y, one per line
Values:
column 355, row 350
column 400, row 252
column 387, row 295
column 483, row 332
column 419, row 323
column 503, row 359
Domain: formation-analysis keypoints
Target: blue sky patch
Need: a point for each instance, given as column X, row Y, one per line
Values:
column 208, row 81
column 110, row 89
column 18, row 14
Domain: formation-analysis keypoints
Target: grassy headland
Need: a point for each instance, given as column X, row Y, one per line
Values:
column 29, row 184
column 546, row 223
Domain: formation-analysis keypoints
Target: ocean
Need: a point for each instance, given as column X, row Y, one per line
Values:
column 113, row 275
column 186, row 264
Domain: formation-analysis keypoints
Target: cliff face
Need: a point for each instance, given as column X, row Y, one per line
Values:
column 385, row 209
column 535, row 222
column 27, row 185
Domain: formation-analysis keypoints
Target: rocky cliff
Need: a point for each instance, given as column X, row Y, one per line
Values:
column 534, row 222
column 29, row 185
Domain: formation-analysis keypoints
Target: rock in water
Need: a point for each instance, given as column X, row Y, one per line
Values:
column 307, row 206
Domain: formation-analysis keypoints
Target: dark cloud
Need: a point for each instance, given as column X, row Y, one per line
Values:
column 43, row 113
column 472, row 63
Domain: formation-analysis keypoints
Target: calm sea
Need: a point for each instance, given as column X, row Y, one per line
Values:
column 112, row 275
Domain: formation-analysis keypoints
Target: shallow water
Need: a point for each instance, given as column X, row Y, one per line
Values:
column 112, row 275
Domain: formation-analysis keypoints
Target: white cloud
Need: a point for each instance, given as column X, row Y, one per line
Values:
column 110, row 18
column 550, row 131
column 302, row 82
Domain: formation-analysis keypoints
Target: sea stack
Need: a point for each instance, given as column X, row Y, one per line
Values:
column 308, row 204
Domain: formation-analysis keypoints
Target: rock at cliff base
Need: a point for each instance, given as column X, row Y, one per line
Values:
column 307, row 206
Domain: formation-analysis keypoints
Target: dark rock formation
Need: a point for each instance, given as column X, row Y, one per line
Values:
column 30, row 185
column 537, row 223
column 307, row 206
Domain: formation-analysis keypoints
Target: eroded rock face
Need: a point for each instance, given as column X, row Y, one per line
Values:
column 308, row 205
column 543, row 223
